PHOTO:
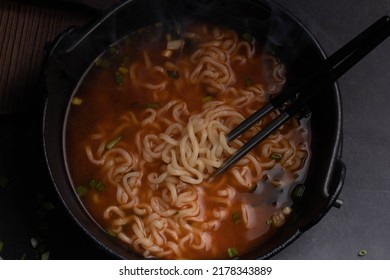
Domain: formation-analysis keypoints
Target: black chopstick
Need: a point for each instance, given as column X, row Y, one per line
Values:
column 329, row 71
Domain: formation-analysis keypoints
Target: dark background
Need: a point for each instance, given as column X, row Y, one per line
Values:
column 29, row 207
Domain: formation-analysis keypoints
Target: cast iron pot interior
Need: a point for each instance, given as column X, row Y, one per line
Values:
column 74, row 50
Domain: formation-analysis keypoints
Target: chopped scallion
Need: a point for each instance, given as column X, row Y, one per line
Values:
column 119, row 78
column 93, row 183
column 77, row 101
column 81, row 190
column 232, row 253
column 113, row 51
column 113, row 142
column 153, row 105
column 269, row 222
column 207, row 98
column 110, row 233
column 123, row 70
column 298, row 191
column 100, row 186
column 174, row 74
column 276, row 157
column 104, row 63
column 236, row 217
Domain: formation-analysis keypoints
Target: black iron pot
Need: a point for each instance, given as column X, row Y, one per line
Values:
column 75, row 49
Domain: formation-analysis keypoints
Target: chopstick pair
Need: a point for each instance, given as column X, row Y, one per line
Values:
column 328, row 72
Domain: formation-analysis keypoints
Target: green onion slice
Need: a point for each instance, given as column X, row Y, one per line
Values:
column 276, row 157
column 153, row 105
column 93, row 183
column 113, row 142
column 113, row 51
column 207, row 98
column 123, row 70
column 77, row 101
column 298, row 191
column 100, row 186
column 81, row 190
column 232, row 253
column 103, row 63
column 119, row 78
column 236, row 217
column 110, row 233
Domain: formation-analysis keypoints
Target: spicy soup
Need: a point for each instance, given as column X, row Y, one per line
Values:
column 145, row 132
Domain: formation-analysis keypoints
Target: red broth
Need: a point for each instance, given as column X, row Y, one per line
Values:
column 143, row 137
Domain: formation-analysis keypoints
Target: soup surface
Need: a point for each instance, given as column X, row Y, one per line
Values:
column 146, row 130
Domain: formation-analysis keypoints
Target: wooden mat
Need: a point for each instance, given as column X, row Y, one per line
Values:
column 24, row 31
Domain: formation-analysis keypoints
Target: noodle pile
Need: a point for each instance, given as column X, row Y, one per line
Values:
column 162, row 170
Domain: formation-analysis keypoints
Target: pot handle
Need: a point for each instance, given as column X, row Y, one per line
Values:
column 93, row 25
column 51, row 46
